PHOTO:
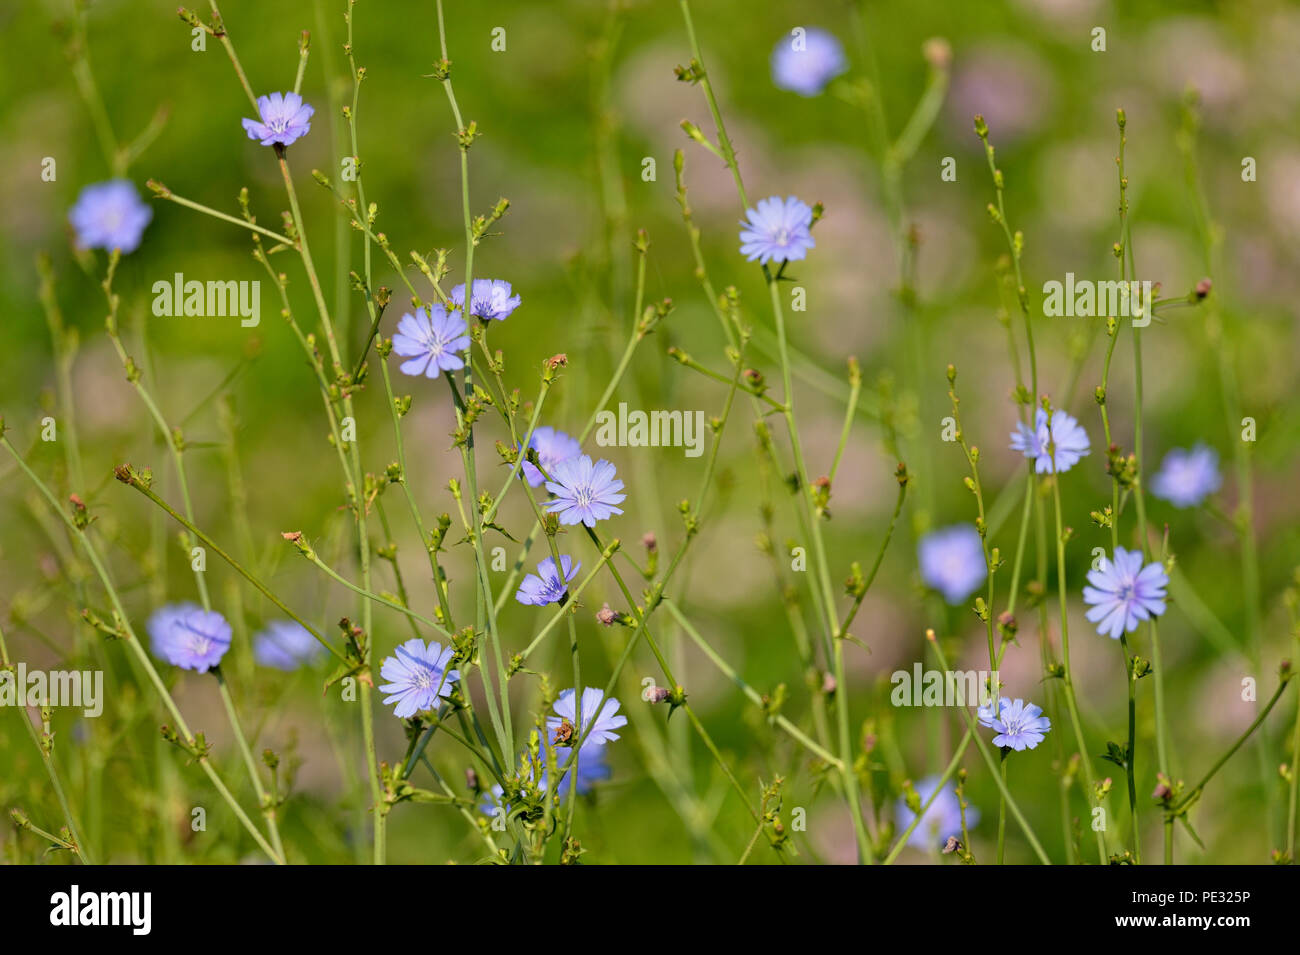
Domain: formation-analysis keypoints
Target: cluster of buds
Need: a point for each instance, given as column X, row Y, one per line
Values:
column 1124, row 469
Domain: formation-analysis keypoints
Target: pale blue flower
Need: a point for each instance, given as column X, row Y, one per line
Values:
column 492, row 299
column 286, row 645
column 110, row 215
column 804, row 64
column 1071, row 442
column 584, row 492
column 1187, row 477
column 432, row 339
column 417, row 677
column 546, row 586
column 1123, row 593
column 1020, row 725
column 190, row 637
column 777, row 230
column 598, row 714
column 552, row 447
column 283, row 118
column 952, row 561
column 160, row 625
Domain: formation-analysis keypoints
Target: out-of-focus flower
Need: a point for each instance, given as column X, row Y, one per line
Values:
column 1009, row 84
column 190, row 637
column 547, row 586
column 805, row 62
column 1066, row 434
column 1123, row 593
column 941, row 820
column 110, row 215
column 584, row 492
column 417, row 676
column 283, row 118
column 552, row 447
column 492, row 298
column 952, row 561
column 1187, row 477
column 286, row 645
column 432, row 339
column 777, row 230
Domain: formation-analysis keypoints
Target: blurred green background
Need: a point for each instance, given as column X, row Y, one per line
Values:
column 583, row 92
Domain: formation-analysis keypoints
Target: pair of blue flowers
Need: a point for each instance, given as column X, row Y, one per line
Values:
column 110, row 215
column 189, row 637
column 584, row 493
column 433, row 338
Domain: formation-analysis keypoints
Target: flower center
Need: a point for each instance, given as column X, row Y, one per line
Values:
column 782, row 236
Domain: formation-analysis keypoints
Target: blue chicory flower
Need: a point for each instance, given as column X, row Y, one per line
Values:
column 283, row 119
column 432, row 339
column 778, row 230
column 952, row 561
column 286, row 645
column 598, row 713
column 110, row 215
column 417, row 677
column 492, row 299
column 187, row 636
column 1071, row 442
column 1187, row 477
column 546, row 586
column 805, row 63
column 552, row 447
column 584, row 492
column 1019, row 725
column 1123, row 593
column 941, row 820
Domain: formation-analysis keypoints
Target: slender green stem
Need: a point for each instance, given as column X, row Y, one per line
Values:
column 1067, row 676
column 268, row 806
